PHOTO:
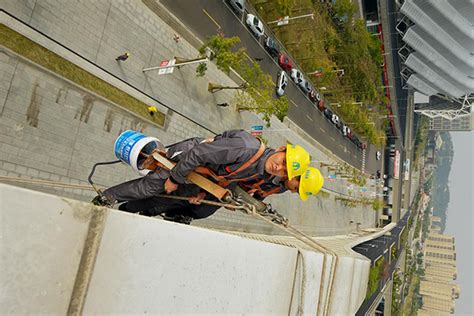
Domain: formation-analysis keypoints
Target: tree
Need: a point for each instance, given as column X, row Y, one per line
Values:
column 256, row 93
column 221, row 52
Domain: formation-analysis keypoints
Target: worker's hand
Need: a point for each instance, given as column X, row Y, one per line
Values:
column 170, row 186
column 197, row 198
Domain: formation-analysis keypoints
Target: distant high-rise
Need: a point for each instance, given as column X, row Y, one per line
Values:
column 437, row 287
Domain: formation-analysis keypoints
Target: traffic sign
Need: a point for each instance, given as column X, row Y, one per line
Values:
column 167, row 70
column 283, row 21
column 257, row 127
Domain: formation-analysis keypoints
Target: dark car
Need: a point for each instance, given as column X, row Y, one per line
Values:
column 328, row 114
column 272, row 47
column 285, row 62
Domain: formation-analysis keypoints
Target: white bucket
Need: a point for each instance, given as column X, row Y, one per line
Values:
column 132, row 148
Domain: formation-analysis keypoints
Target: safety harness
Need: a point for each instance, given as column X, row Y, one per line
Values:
column 159, row 160
column 256, row 188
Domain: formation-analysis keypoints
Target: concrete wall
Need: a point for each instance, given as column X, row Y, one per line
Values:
column 142, row 265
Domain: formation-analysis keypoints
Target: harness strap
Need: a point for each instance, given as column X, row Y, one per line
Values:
column 274, row 190
column 196, row 178
column 220, row 178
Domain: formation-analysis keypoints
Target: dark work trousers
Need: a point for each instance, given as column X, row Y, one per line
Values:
column 145, row 187
column 158, row 205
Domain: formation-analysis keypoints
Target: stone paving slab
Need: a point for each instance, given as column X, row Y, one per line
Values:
column 77, row 139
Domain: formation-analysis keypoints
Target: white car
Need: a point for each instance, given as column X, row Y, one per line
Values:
column 255, row 25
column 296, row 75
column 346, row 130
column 378, row 155
column 282, row 82
column 335, row 119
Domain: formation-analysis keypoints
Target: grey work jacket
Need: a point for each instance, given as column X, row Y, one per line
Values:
column 227, row 152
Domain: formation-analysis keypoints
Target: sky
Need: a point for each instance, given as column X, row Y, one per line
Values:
column 460, row 221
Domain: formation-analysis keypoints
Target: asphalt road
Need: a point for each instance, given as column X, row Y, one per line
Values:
column 374, row 249
column 210, row 16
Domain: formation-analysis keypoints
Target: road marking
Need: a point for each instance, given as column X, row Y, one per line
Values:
column 309, row 118
column 212, row 19
column 332, row 138
column 322, row 130
column 294, row 103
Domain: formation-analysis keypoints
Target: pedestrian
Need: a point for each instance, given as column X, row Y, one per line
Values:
column 227, row 158
column 176, row 38
column 152, row 110
column 122, row 57
column 223, row 104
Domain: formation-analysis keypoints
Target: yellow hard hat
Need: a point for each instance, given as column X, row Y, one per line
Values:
column 310, row 183
column 297, row 160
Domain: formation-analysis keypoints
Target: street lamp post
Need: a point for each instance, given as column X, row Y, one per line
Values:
column 286, row 19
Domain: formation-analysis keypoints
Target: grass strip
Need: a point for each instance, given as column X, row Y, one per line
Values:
column 374, row 277
column 44, row 57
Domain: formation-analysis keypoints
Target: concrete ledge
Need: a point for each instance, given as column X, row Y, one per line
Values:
column 143, row 265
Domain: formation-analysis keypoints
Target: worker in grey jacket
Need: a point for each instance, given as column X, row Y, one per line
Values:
column 223, row 155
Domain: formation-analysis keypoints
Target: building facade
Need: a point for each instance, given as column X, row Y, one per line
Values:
column 437, row 286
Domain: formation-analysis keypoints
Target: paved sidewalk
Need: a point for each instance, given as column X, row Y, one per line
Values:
column 52, row 129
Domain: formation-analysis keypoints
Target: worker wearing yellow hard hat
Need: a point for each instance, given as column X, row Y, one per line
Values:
column 311, row 183
column 297, row 160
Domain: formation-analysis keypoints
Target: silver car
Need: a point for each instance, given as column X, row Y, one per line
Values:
column 255, row 25
column 281, row 83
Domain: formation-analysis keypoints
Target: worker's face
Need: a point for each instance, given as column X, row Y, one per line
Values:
column 276, row 163
column 293, row 184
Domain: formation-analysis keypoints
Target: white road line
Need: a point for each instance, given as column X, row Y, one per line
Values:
column 294, row 103
column 309, row 118
column 332, row 139
column 322, row 130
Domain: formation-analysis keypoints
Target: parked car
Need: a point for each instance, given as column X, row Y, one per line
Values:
column 255, row 25
column 237, row 5
column 335, row 119
column 378, row 155
column 313, row 96
column 321, row 105
column 285, row 62
column 296, row 75
column 305, row 86
column 272, row 47
column 328, row 114
column 346, row 131
column 281, row 83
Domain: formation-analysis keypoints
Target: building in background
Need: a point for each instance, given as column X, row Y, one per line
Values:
column 436, row 56
column 437, row 287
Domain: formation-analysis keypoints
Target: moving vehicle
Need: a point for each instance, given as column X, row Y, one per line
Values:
column 255, row 25
column 272, row 47
column 378, row 155
column 281, row 83
column 285, row 62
